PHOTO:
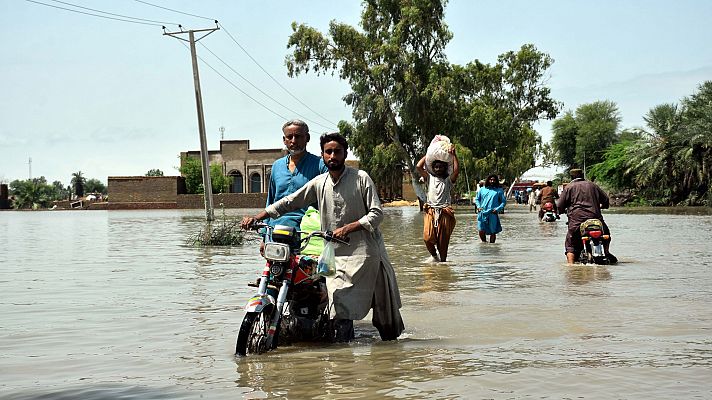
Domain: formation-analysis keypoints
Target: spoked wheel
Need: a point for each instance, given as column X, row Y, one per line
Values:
column 252, row 337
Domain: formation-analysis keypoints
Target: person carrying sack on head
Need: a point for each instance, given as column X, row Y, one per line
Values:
column 441, row 168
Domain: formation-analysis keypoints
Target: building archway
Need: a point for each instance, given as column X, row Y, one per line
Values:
column 255, row 183
column 237, row 182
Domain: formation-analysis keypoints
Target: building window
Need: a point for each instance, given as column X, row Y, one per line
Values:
column 255, row 183
column 237, row 184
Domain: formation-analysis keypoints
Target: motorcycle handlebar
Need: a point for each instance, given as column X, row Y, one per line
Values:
column 257, row 225
column 326, row 235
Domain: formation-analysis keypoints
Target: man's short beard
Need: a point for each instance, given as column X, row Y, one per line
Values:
column 333, row 167
column 295, row 152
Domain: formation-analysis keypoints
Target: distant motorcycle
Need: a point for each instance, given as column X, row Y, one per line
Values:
column 593, row 239
column 548, row 212
column 291, row 300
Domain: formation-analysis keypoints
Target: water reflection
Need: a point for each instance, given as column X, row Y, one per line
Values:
column 437, row 277
column 294, row 374
column 583, row 274
column 122, row 301
column 100, row 392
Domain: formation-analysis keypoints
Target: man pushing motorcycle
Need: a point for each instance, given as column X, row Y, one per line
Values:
column 348, row 202
column 582, row 200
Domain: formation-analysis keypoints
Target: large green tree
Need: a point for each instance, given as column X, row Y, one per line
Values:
column 597, row 125
column 668, row 162
column 35, row 193
column 563, row 142
column 192, row 171
column 404, row 91
column 94, row 185
column 581, row 138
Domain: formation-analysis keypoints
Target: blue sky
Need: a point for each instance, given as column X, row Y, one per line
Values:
column 112, row 98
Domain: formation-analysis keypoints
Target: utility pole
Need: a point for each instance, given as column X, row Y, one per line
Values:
column 222, row 133
column 207, row 185
column 29, row 164
column 584, row 163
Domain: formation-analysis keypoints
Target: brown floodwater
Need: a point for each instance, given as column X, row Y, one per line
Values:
column 112, row 304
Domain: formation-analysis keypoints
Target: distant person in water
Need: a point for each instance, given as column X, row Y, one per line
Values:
column 582, row 200
column 548, row 195
column 490, row 202
column 438, row 217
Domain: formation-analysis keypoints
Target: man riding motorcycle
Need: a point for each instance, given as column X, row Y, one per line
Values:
column 582, row 200
column 548, row 195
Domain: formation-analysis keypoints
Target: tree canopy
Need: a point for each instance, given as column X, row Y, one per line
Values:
column 404, row 91
column 95, row 186
column 192, row 171
column 36, row 193
column 154, row 172
column 581, row 138
column 78, row 181
column 668, row 163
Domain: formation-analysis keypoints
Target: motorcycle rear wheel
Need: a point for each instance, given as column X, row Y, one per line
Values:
column 601, row 260
column 252, row 337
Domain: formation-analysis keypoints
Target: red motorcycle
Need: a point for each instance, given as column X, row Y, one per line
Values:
column 549, row 215
column 291, row 303
column 594, row 240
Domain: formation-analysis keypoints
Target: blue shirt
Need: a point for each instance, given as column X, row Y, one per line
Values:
column 283, row 182
column 489, row 199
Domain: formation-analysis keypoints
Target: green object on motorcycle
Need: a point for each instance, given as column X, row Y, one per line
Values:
column 312, row 222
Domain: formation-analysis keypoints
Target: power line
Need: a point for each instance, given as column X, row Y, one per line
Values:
column 175, row 11
column 94, row 15
column 236, row 87
column 261, row 91
column 273, row 78
column 143, row 21
column 116, row 15
column 251, row 58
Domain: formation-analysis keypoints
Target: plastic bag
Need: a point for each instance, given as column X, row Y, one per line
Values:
column 312, row 222
column 439, row 150
column 327, row 261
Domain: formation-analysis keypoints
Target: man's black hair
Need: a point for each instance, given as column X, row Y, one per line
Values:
column 496, row 181
column 333, row 137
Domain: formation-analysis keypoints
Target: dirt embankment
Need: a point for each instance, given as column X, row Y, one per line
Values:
column 401, row 203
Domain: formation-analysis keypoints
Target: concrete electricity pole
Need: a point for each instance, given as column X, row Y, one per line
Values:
column 207, row 185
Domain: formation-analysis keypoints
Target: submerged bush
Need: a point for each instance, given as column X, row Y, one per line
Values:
column 225, row 232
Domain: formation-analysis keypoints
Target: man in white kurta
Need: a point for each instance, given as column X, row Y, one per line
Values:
column 349, row 206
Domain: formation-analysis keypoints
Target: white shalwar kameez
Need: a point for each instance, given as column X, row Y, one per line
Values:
column 364, row 276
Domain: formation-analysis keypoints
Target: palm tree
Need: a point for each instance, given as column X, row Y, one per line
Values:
column 78, row 182
column 672, row 161
column 31, row 193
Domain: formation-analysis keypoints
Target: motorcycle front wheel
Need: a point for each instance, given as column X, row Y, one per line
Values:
column 252, row 337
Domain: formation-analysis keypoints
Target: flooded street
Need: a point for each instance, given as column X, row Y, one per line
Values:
column 102, row 305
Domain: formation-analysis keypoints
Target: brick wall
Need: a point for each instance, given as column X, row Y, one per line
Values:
column 132, row 189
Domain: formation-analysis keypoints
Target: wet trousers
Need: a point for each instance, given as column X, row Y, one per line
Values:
column 436, row 232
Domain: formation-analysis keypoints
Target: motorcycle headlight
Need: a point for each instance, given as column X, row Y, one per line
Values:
column 277, row 251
